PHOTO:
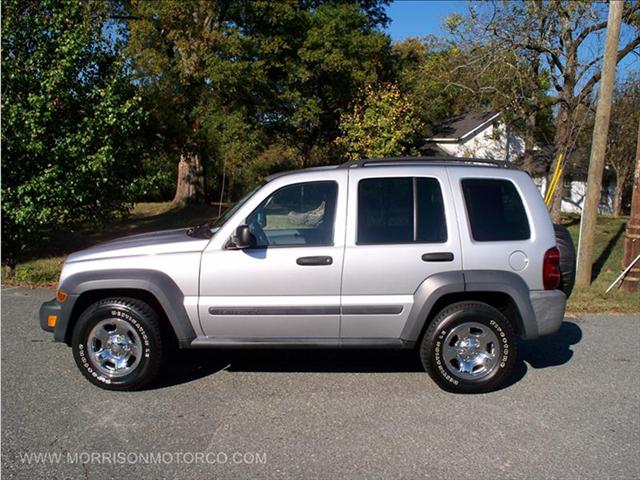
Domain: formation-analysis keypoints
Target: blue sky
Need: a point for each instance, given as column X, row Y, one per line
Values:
column 417, row 18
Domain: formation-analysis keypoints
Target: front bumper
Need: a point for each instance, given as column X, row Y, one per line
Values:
column 63, row 313
column 52, row 307
column 548, row 307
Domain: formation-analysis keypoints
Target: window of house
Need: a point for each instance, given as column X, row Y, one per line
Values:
column 567, row 188
column 495, row 210
column 400, row 210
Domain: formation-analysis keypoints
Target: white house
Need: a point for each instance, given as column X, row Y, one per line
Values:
column 485, row 135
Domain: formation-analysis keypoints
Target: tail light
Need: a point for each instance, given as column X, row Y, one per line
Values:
column 551, row 269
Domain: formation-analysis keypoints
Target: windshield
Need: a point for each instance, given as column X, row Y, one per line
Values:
column 220, row 221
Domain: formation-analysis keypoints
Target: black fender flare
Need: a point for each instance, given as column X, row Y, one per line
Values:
column 157, row 283
column 438, row 285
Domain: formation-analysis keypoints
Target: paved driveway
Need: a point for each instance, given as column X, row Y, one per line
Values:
column 571, row 411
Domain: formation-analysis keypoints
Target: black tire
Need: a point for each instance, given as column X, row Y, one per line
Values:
column 144, row 333
column 458, row 317
column 567, row 259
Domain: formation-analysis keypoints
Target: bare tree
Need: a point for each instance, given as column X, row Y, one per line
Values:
column 622, row 137
column 560, row 39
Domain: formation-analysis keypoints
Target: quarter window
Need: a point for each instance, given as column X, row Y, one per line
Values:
column 400, row 210
column 495, row 210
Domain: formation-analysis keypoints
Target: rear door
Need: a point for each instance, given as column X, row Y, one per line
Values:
column 401, row 229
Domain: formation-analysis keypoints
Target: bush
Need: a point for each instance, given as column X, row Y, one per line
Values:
column 71, row 117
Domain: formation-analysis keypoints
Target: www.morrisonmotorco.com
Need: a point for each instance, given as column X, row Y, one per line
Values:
column 151, row 458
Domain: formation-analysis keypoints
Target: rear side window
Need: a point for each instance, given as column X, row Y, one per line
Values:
column 400, row 210
column 495, row 210
column 432, row 225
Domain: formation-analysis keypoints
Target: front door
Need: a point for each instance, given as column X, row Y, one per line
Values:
column 287, row 285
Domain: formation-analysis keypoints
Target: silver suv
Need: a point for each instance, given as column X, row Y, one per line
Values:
column 456, row 258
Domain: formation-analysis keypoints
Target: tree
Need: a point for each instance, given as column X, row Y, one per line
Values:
column 339, row 51
column 621, row 145
column 423, row 72
column 70, row 121
column 170, row 45
column 219, row 72
column 444, row 78
column 384, row 124
column 561, row 34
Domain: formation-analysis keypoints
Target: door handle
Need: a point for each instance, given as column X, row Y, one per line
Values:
column 438, row 257
column 320, row 260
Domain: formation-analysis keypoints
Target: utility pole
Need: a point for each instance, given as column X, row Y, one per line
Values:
column 632, row 238
column 599, row 146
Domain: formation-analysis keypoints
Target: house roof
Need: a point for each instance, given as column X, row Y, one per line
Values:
column 456, row 128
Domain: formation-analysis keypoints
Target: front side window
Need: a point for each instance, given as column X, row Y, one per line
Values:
column 302, row 214
column 495, row 210
column 400, row 210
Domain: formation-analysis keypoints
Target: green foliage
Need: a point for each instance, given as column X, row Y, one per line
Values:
column 240, row 80
column 338, row 54
column 425, row 77
column 70, row 121
column 384, row 124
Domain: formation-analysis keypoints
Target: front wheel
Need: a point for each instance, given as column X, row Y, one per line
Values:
column 469, row 347
column 118, row 344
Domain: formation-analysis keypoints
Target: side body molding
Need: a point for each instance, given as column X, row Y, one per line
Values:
column 159, row 284
column 440, row 284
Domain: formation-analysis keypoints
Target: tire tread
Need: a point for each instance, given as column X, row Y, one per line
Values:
column 427, row 344
column 152, row 326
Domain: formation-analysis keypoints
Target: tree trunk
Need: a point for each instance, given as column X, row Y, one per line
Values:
column 190, row 185
column 10, row 268
column 589, row 218
column 529, row 144
column 617, row 197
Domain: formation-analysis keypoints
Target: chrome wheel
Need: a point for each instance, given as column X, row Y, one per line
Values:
column 471, row 351
column 115, row 347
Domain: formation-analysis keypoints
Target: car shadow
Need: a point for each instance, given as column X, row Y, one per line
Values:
column 545, row 352
column 190, row 365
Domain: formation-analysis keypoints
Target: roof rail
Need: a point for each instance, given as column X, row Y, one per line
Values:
column 454, row 160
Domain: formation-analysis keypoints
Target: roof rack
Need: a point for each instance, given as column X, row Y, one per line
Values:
column 454, row 160
column 273, row 176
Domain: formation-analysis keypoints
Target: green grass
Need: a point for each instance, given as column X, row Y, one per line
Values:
column 146, row 217
column 607, row 265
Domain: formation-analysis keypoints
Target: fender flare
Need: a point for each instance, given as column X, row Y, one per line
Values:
column 438, row 285
column 511, row 284
column 157, row 283
column 425, row 297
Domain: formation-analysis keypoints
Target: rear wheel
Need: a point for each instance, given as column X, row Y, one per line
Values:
column 118, row 344
column 470, row 347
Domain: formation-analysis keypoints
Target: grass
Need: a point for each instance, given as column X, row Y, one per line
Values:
column 145, row 217
column 607, row 265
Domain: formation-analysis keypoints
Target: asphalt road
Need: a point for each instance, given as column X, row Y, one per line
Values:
column 571, row 411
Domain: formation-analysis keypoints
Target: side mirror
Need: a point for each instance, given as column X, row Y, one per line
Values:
column 241, row 238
